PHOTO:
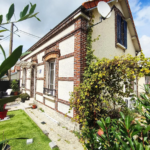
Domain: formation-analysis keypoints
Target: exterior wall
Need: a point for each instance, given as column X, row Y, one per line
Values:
column 66, row 67
column 106, row 46
column 141, row 81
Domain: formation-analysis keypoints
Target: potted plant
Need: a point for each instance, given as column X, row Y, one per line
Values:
column 34, row 106
column 15, row 87
column 24, row 96
column 3, row 111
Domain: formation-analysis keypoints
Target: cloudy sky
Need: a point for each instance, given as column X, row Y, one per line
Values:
column 51, row 12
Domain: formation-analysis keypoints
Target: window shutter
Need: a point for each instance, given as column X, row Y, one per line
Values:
column 119, row 39
column 125, row 34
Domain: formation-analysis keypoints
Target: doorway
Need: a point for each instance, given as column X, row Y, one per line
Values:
column 33, row 82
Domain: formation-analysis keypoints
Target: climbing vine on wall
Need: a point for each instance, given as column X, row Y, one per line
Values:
column 102, row 87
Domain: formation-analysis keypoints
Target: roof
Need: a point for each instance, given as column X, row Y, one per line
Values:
column 54, row 31
column 91, row 4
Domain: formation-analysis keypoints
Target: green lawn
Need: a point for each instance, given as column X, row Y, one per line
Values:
column 20, row 125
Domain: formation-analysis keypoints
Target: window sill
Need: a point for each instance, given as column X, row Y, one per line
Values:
column 49, row 97
column 121, row 46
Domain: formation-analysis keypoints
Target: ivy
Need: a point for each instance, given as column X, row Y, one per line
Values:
column 102, row 87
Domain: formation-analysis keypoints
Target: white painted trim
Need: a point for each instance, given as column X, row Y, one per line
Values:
column 49, row 97
column 121, row 46
column 81, row 14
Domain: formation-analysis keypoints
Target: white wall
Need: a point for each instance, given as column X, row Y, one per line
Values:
column 50, row 103
column 64, row 87
column 20, row 83
column 105, row 46
column 141, row 81
column 40, row 57
column 39, row 98
column 28, row 83
column 40, row 71
column 67, row 46
column 39, row 86
column 28, row 73
column 21, row 74
column 64, row 109
column 57, row 37
column 66, row 67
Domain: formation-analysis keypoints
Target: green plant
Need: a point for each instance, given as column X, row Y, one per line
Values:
column 24, row 96
column 14, row 85
column 124, row 133
column 41, row 109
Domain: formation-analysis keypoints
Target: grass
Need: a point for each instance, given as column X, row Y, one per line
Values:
column 20, row 125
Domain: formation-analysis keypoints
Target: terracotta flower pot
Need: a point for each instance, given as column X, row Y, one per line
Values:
column 100, row 132
column 34, row 106
column 15, row 93
column 4, row 106
column 3, row 114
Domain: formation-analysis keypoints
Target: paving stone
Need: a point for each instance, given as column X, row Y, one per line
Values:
column 45, row 132
column 29, row 141
column 52, row 145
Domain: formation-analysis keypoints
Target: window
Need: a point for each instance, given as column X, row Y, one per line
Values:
column 50, row 78
column 121, row 31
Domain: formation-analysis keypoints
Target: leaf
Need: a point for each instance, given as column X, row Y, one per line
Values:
column 107, row 120
column 37, row 18
column 10, row 12
column 3, row 31
column 25, row 10
column 101, row 125
column 131, row 143
column 122, row 115
column 3, row 51
column 21, row 14
column 1, row 18
column 32, row 9
column 147, row 129
column 10, row 61
column 127, row 122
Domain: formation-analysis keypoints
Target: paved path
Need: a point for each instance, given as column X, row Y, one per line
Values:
column 64, row 138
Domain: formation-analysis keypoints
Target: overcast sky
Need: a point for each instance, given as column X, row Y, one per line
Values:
column 51, row 12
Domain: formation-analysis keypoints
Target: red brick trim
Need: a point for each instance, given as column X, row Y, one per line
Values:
column 63, row 102
column 52, row 54
column 28, row 78
column 40, row 102
column 27, row 89
column 66, row 78
column 39, row 78
column 41, row 94
column 66, row 56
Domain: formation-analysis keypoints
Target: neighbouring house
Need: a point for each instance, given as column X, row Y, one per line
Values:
column 56, row 62
column 15, row 74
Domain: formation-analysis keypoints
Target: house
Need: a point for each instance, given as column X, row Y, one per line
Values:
column 56, row 64
column 15, row 74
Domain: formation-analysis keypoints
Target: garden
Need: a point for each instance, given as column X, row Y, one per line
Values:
column 21, row 126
